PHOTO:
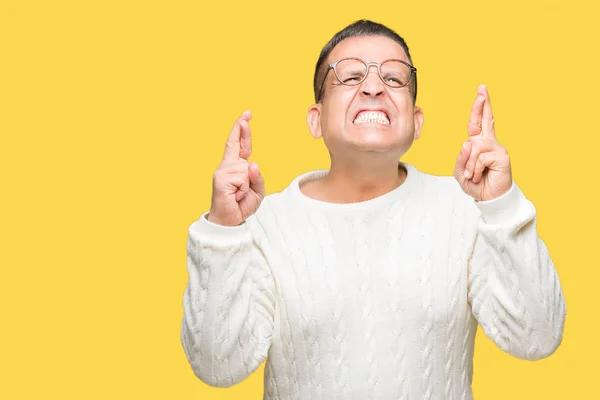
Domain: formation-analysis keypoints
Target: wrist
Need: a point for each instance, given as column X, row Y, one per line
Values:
column 213, row 218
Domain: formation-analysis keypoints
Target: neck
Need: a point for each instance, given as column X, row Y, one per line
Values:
column 355, row 182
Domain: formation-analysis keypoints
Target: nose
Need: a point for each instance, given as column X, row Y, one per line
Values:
column 372, row 85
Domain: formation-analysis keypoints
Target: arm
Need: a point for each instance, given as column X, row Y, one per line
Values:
column 229, row 303
column 230, row 299
column 513, row 287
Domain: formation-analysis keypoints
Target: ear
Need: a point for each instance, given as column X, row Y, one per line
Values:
column 418, row 117
column 313, row 118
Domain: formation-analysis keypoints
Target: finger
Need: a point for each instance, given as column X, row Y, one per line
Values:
column 230, row 181
column 486, row 144
column 480, row 166
column 461, row 161
column 459, row 171
column 487, row 120
column 470, row 164
column 232, row 146
column 245, row 140
column 481, row 145
column 225, row 170
column 243, row 189
column 257, row 182
column 488, row 160
column 474, row 126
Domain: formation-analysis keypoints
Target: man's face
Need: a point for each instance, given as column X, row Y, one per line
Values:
column 345, row 134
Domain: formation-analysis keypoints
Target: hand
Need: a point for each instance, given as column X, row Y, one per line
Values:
column 483, row 166
column 238, row 186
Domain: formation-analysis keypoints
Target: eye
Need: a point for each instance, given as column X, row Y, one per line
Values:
column 352, row 79
column 393, row 80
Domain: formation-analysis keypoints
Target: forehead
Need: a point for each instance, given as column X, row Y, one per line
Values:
column 369, row 48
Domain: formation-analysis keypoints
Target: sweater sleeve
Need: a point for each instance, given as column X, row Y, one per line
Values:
column 513, row 287
column 229, row 303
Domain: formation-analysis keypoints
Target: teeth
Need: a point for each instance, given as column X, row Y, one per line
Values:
column 371, row 116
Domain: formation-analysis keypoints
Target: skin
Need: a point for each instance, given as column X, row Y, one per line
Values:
column 238, row 186
column 483, row 165
column 364, row 158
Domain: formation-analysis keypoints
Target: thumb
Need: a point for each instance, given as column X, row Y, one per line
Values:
column 461, row 162
column 257, row 183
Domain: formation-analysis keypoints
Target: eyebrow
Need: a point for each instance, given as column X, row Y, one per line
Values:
column 356, row 71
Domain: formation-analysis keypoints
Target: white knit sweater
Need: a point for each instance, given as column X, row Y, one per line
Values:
column 372, row 300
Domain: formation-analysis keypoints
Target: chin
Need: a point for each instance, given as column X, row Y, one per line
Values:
column 399, row 146
column 375, row 139
column 370, row 146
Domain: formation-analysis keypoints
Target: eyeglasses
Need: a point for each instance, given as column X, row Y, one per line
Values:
column 353, row 71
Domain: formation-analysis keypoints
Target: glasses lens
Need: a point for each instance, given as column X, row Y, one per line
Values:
column 395, row 73
column 350, row 71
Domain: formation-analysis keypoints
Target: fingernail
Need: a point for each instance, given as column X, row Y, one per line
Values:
column 467, row 173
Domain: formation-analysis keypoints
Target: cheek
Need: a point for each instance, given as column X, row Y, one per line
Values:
column 406, row 113
column 334, row 117
column 407, row 128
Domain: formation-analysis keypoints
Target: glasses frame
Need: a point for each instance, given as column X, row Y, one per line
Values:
column 332, row 66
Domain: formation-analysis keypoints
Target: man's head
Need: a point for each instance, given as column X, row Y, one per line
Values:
column 364, row 113
column 359, row 28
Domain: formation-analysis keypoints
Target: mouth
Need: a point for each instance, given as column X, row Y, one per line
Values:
column 371, row 117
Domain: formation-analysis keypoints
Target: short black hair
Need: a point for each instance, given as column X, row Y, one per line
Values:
column 362, row 27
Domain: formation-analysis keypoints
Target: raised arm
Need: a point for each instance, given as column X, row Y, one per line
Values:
column 513, row 287
column 229, row 303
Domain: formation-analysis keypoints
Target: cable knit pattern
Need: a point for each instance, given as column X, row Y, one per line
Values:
column 426, row 265
column 372, row 300
column 394, row 236
column 454, row 278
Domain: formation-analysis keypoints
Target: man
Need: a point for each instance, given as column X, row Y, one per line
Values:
column 367, row 281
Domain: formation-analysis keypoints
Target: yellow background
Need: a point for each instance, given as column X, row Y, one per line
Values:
column 114, row 114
